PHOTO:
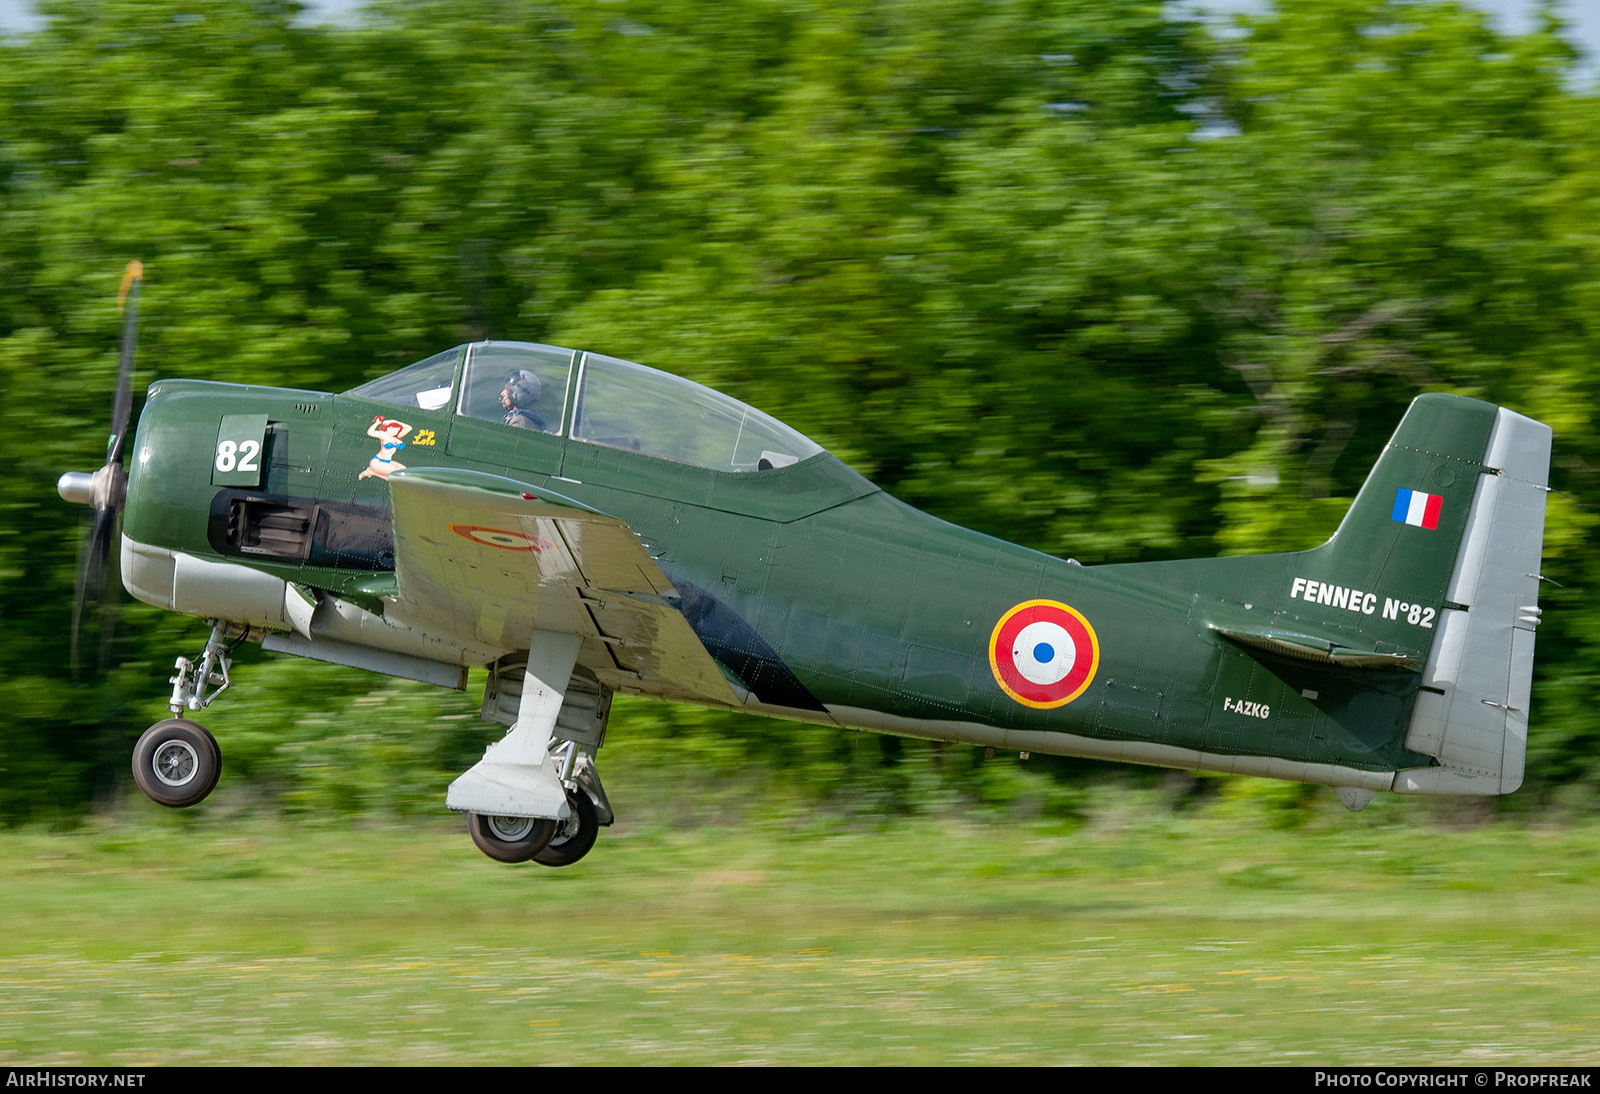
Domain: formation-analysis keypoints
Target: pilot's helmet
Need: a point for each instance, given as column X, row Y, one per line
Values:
column 522, row 387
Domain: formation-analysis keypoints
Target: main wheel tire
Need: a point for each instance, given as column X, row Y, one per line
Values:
column 510, row 839
column 575, row 836
column 176, row 763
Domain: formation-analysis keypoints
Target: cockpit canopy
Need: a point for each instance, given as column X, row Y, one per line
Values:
column 618, row 404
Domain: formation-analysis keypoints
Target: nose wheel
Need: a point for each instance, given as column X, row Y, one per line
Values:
column 176, row 763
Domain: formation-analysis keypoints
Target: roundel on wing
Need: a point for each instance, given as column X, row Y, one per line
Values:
column 506, row 539
column 1043, row 653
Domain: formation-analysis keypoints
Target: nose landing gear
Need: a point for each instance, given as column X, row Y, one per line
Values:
column 177, row 762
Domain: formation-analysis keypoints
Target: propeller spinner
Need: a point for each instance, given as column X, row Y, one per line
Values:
column 105, row 489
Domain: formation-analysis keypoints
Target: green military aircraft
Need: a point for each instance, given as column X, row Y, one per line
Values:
column 583, row 525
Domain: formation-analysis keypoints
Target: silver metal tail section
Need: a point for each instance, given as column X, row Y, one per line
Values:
column 1472, row 711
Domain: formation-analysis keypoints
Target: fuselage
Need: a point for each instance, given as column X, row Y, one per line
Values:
column 819, row 595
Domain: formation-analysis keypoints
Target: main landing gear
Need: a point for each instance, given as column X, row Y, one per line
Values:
column 535, row 795
column 552, row 841
column 177, row 762
column 547, row 841
column 539, row 839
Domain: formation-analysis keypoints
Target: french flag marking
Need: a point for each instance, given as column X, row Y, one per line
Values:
column 1416, row 508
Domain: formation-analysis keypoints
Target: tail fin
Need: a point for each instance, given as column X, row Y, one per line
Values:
column 1439, row 555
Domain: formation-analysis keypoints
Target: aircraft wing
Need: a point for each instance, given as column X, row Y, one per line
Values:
column 491, row 560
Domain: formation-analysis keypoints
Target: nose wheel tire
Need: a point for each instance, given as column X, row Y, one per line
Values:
column 176, row 763
column 574, row 836
column 510, row 839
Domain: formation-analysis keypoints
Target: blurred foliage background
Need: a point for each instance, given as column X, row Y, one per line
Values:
column 1098, row 278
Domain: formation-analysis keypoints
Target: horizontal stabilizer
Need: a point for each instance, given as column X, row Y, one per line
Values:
column 1305, row 647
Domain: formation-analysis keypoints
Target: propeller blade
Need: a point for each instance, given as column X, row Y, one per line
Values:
column 105, row 488
column 122, row 404
column 91, row 572
column 110, row 608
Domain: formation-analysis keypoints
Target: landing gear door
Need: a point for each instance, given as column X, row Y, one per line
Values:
column 238, row 457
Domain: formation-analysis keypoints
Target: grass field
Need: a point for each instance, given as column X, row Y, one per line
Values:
column 1135, row 938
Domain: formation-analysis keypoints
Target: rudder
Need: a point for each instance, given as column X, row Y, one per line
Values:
column 1472, row 709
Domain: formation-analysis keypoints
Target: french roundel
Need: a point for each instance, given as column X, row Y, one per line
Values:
column 506, row 539
column 1043, row 653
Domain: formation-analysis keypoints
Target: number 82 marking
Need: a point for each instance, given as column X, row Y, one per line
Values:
column 243, row 456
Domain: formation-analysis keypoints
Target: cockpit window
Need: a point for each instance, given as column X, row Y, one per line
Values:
column 425, row 384
column 521, row 384
column 625, row 405
column 620, row 404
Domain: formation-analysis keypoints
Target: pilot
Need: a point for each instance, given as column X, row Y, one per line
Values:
column 519, row 397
